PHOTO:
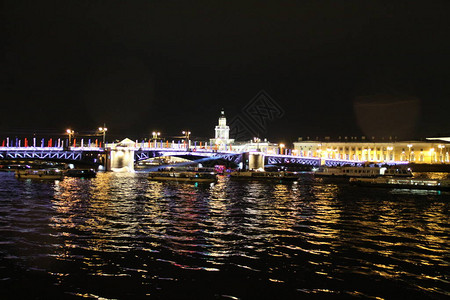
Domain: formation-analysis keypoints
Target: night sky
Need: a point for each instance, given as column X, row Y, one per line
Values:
column 328, row 68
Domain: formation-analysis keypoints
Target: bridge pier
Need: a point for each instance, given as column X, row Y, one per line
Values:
column 122, row 160
column 253, row 161
column 106, row 160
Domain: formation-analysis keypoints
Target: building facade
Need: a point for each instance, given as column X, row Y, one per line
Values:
column 222, row 132
column 431, row 151
column 222, row 140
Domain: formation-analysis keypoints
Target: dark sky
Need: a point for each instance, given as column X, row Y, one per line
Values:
column 349, row 68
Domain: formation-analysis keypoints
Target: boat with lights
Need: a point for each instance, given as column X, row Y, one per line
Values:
column 363, row 172
column 40, row 174
column 402, row 183
column 264, row 175
column 184, row 176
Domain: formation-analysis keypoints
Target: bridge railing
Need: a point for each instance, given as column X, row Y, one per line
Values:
column 177, row 149
column 51, row 148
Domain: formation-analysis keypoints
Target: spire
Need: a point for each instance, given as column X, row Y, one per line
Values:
column 222, row 119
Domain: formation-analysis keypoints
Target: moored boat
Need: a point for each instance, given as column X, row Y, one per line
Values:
column 41, row 174
column 182, row 176
column 402, row 183
column 362, row 172
column 264, row 175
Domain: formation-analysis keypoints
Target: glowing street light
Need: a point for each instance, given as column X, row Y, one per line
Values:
column 103, row 130
column 155, row 134
column 186, row 136
column 70, row 132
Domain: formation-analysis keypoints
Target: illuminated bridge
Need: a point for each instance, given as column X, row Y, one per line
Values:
column 81, row 155
column 124, row 155
column 120, row 155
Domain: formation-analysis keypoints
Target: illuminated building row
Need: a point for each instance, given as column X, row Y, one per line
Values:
column 431, row 151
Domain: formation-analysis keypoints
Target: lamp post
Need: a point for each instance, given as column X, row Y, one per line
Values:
column 186, row 133
column 155, row 134
column 103, row 130
column 70, row 132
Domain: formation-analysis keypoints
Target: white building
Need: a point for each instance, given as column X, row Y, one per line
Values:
column 222, row 140
column 222, row 136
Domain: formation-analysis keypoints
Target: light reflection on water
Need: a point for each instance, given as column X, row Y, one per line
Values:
column 121, row 236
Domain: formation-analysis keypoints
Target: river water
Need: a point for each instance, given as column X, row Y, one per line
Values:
column 121, row 236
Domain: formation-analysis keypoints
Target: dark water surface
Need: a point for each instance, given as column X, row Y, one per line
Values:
column 120, row 236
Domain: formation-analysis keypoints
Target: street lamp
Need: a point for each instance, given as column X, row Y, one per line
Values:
column 155, row 134
column 103, row 130
column 186, row 136
column 70, row 132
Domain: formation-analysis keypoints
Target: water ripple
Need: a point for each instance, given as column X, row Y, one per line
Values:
column 121, row 236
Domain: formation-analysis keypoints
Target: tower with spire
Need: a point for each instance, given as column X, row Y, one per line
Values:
column 222, row 136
